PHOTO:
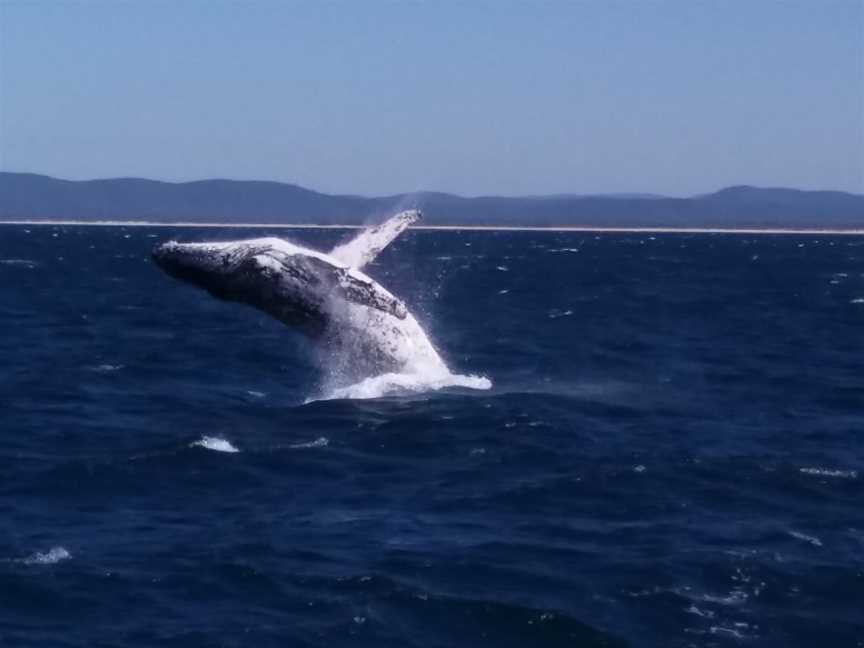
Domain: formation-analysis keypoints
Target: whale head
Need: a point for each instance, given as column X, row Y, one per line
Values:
column 266, row 273
column 194, row 263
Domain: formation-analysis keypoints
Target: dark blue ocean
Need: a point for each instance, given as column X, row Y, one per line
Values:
column 670, row 454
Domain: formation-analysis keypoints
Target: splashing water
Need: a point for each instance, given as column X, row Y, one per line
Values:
column 51, row 557
column 214, row 443
column 368, row 344
column 351, row 358
column 401, row 383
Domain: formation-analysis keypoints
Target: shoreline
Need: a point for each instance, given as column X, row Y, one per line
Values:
column 481, row 228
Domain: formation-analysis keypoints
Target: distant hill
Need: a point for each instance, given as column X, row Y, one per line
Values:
column 25, row 196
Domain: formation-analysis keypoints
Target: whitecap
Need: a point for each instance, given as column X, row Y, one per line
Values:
column 731, row 632
column 50, row 557
column 830, row 472
column 502, row 268
column 214, row 443
column 708, row 614
column 24, row 263
column 320, row 442
column 107, row 368
column 256, row 394
column 735, row 597
column 504, row 291
column 857, row 300
column 813, row 540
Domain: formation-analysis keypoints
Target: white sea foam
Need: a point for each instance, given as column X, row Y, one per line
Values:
column 320, row 442
column 50, row 557
column 214, row 443
column 830, row 472
column 813, row 540
column 721, row 630
column 25, row 263
column 405, row 383
column 735, row 597
column 362, row 336
column 107, row 368
column 857, row 300
column 708, row 614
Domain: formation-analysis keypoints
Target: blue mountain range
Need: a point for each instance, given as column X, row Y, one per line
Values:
column 25, row 196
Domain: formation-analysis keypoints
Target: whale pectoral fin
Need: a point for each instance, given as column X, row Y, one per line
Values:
column 362, row 249
column 368, row 294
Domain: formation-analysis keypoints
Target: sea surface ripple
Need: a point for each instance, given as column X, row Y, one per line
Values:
column 670, row 453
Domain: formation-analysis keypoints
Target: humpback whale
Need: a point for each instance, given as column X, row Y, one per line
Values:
column 324, row 296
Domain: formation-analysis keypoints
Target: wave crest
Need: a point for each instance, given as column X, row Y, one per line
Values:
column 50, row 557
column 215, row 443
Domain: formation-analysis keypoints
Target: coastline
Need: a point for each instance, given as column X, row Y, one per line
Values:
column 490, row 228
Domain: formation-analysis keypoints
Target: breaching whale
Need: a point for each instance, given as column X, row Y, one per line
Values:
column 325, row 296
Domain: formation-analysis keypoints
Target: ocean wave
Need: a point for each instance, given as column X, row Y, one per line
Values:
column 50, row 557
column 107, row 368
column 830, row 472
column 320, row 442
column 24, row 263
column 809, row 539
column 215, row 443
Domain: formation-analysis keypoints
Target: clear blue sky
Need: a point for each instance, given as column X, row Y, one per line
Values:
column 676, row 97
